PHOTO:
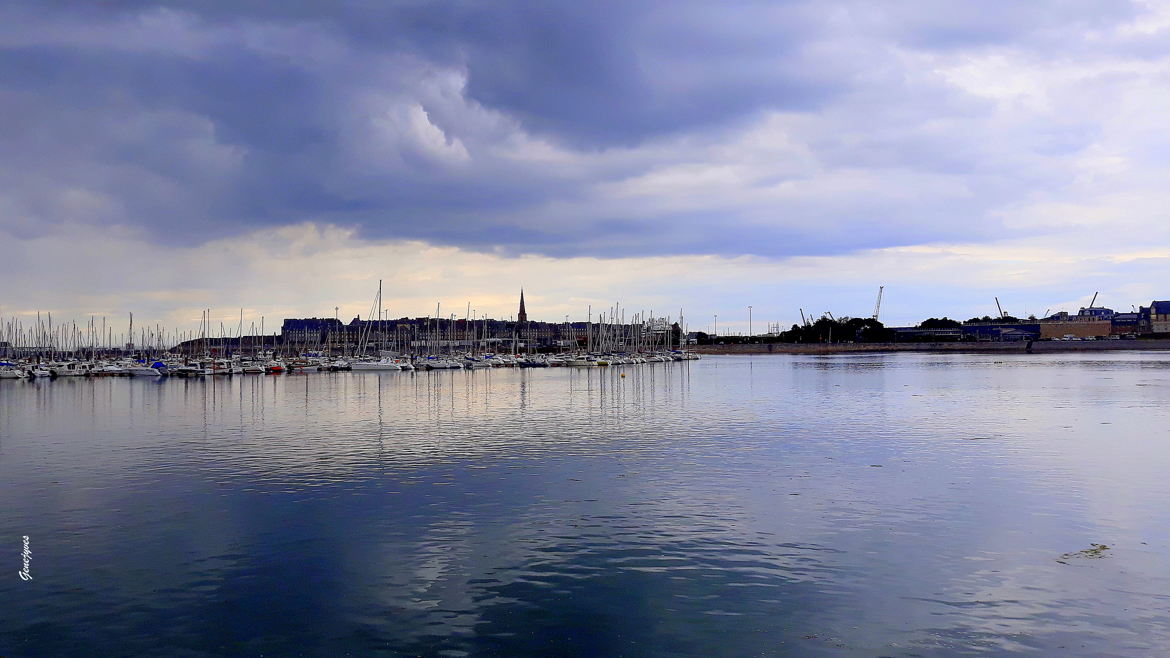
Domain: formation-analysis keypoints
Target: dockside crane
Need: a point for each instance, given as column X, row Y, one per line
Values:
column 877, row 308
column 999, row 307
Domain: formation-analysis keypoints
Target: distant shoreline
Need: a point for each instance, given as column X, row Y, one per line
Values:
column 1010, row 347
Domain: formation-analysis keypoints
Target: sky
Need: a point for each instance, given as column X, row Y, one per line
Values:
column 278, row 159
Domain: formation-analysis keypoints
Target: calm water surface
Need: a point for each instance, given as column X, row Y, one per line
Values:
column 841, row 505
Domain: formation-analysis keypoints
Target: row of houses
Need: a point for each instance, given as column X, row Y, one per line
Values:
column 1090, row 323
column 416, row 332
column 449, row 333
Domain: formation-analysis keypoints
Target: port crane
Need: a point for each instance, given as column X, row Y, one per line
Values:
column 877, row 308
column 1001, row 314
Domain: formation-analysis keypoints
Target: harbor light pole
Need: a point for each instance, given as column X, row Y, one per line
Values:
column 749, row 321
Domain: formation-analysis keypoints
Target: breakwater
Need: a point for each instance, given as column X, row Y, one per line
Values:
column 1040, row 346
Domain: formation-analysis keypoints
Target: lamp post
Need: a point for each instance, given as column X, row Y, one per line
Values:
column 749, row 321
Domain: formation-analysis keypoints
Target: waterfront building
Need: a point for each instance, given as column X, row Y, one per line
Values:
column 1126, row 324
column 309, row 330
column 1000, row 331
column 1159, row 317
column 1089, row 322
column 1077, row 326
column 427, row 334
column 1096, row 312
column 933, row 334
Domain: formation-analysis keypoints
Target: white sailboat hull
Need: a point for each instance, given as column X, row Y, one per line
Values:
column 66, row 372
column 443, row 365
column 374, row 366
column 144, row 372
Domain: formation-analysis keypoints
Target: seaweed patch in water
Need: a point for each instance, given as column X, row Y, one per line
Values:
column 1094, row 551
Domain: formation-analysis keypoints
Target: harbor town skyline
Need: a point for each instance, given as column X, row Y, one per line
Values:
column 163, row 160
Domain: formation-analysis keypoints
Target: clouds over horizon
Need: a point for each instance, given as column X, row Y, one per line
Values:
column 308, row 270
column 604, row 130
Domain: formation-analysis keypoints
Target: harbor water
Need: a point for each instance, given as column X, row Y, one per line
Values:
column 861, row 505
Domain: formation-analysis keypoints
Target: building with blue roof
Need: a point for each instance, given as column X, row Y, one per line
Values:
column 1159, row 317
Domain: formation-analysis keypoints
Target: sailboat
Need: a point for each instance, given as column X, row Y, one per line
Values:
column 7, row 371
column 156, row 369
column 386, row 363
column 69, row 369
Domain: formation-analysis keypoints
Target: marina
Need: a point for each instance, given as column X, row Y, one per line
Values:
column 381, row 344
column 171, row 366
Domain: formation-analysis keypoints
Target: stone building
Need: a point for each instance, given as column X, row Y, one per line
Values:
column 1078, row 327
column 1159, row 314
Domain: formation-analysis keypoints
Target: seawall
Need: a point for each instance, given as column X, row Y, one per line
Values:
column 1038, row 347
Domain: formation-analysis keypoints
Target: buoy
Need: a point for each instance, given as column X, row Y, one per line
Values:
column 623, row 375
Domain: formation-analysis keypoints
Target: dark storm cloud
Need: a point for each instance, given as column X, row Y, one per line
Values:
column 617, row 74
column 500, row 126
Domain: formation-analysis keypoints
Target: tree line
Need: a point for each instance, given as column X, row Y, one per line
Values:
column 847, row 330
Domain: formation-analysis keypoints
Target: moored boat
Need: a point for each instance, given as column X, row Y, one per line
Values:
column 10, row 372
column 192, row 370
column 108, row 370
column 381, row 364
column 74, row 369
column 143, row 371
column 156, row 369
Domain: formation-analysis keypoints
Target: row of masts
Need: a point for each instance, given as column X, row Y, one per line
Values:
column 476, row 334
column 99, row 337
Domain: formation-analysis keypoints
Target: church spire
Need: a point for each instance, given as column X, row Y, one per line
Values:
column 522, row 316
